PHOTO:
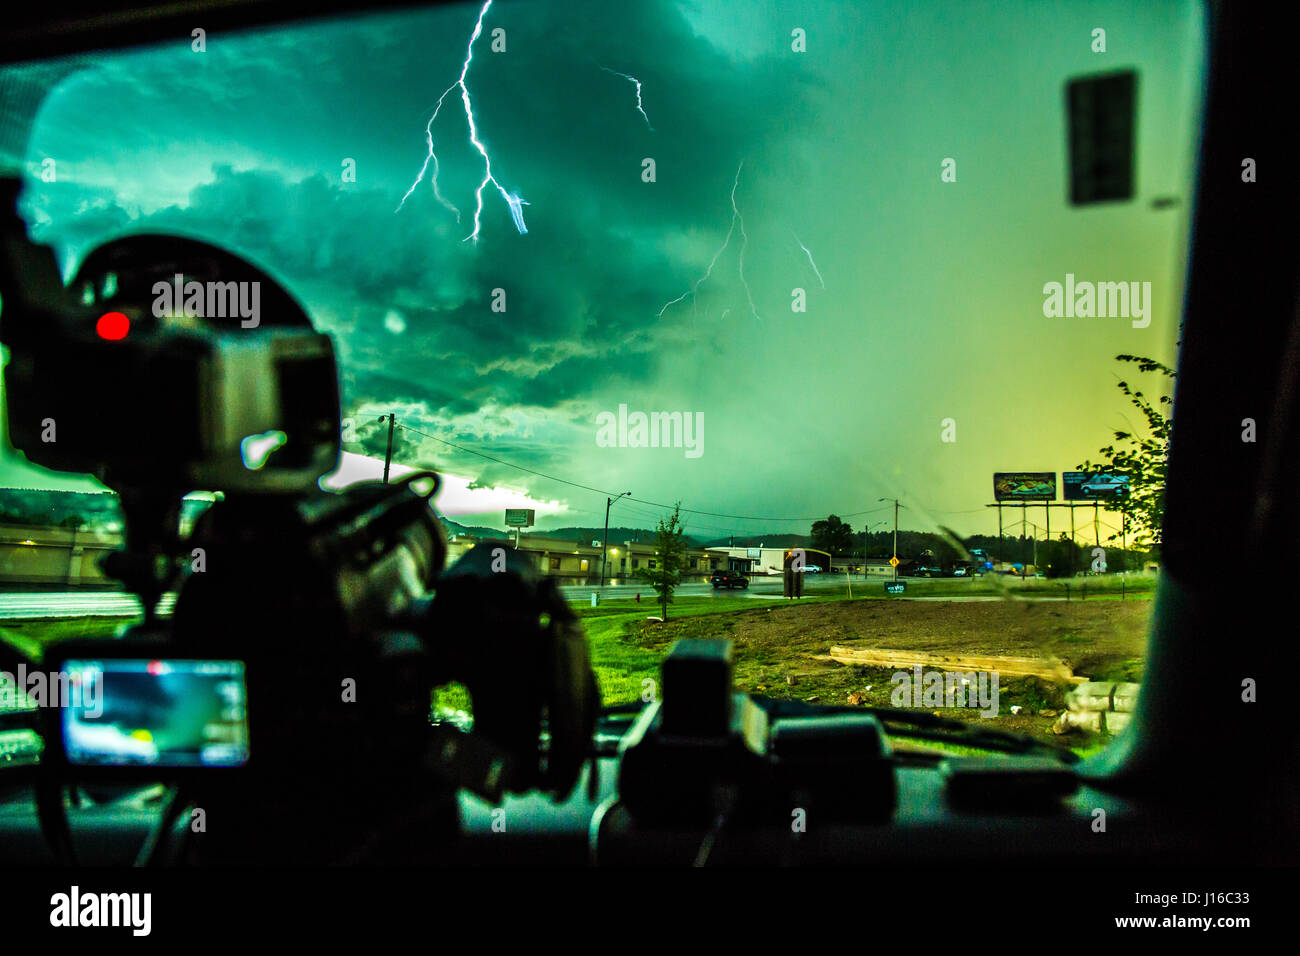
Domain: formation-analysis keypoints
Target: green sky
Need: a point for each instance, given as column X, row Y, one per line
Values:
column 932, row 306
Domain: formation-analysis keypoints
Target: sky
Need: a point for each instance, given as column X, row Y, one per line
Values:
column 923, row 298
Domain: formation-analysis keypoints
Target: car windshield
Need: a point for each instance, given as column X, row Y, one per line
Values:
column 875, row 305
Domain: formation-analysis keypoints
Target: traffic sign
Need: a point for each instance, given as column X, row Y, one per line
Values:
column 893, row 562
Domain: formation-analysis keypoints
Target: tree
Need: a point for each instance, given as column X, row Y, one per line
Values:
column 1059, row 558
column 1144, row 458
column 832, row 536
column 670, row 551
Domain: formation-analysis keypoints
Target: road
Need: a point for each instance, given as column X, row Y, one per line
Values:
column 42, row 605
column 39, row 605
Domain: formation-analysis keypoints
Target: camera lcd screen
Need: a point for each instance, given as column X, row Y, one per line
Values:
column 156, row 713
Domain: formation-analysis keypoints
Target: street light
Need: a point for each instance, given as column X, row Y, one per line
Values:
column 1035, row 561
column 604, row 560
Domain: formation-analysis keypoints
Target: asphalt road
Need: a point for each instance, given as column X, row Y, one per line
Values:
column 38, row 605
column 41, row 605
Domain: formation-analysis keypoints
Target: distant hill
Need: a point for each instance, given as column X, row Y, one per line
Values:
column 65, row 509
column 620, row 534
column 101, row 510
column 760, row 540
column 477, row 531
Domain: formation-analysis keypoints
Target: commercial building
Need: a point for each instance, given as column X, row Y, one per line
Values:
column 578, row 562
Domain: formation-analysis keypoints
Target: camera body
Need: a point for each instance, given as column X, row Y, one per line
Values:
column 167, row 365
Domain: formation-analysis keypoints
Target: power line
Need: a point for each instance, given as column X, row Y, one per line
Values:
column 601, row 491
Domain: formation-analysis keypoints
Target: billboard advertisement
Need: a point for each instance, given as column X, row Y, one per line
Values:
column 1093, row 485
column 1024, row 486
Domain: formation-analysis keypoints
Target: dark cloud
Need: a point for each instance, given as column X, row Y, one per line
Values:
column 243, row 146
column 582, row 288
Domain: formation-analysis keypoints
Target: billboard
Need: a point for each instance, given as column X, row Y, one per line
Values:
column 520, row 517
column 1093, row 485
column 1024, row 486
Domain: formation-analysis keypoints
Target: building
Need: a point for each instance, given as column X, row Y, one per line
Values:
column 55, row 559
column 579, row 562
column 751, row 561
column 868, row 567
column 626, row 559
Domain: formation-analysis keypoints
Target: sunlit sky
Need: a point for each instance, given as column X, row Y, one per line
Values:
column 933, row 299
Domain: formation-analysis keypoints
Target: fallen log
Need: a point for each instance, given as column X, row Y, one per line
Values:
column 1046, row 668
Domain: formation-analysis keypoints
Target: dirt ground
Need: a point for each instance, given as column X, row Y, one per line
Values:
column 1101, row 640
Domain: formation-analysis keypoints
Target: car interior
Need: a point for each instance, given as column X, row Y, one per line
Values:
column 300, row 582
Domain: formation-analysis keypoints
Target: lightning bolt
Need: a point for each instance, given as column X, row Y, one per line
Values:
column 515, row 202
column 431, row 156
column 639, row 108
column 744, row 240
column 810, row 261
column 736, row 217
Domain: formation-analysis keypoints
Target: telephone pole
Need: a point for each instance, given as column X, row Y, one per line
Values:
column 604, row 559
column 388, row 455
column 895, row 501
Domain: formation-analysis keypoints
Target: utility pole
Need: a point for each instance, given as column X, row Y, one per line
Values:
column 1024, row 513
column 388, row 455
column 866, row 537
column 895, row 555
column 1123, row 530
column 1001, row 544
column 604, row 559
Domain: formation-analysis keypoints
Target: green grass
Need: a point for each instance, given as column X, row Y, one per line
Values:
column 31, row 637
column 626, row 656
column 1129, row 670
column 1097, row 588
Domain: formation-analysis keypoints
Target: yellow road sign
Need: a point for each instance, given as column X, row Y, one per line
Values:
column 893, row 562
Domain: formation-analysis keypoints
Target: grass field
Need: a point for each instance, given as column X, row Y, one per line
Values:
column 1095, row 587
column 30, row 637
column 776, row 648
column 779, row 646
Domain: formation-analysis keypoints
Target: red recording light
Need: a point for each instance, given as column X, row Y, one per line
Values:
column 112, row 326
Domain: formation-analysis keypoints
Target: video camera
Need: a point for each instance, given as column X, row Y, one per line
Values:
column 309, row 627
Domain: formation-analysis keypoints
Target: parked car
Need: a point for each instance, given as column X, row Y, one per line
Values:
column 813, row 568
column 728, row 579
column 923, row 571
